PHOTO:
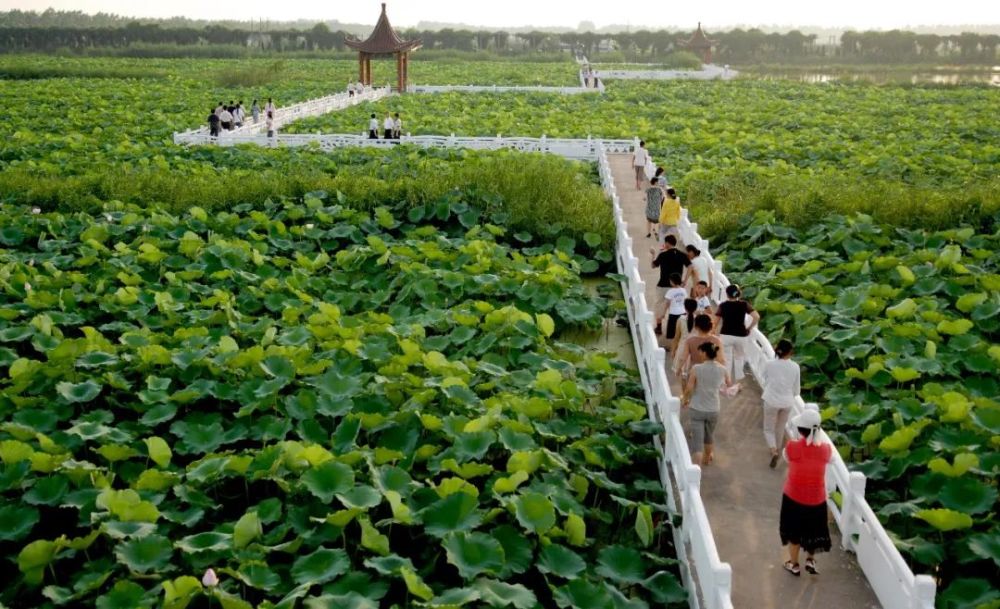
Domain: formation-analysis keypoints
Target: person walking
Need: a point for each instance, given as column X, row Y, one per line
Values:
column 640, row 156
column 350, row 88
column 670, row 214
column 397, row 127
column 387, row 125
column 701, row 395
column 661, row 177
column 255, row 111
column 675, row 298
column 654, row 199
column 698, row 271
column 689, row 353
column 670, row 261
column 270, row 108
column 700, row 294
column 685, row 326
column 803, row 520
column 373, row 127
column 269, row 125
column 213, row 123
column 226, row 118
column 731, row 325
column 782, row 384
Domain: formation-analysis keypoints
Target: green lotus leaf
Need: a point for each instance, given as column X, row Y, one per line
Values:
column 360, row 496
column 500, row 594
column 535, row 512
column 388, row 565
column 955, row 327
column 14, row 334
column 922, row 550
column 78, row 392
column 351, row 600
column 205, row 542
column 517, row 549
column 123, row 530
column 560, row 560
column 246, row 529
column 16, row 521
column 963, row 593
column 47, row 491
column 474, row 554
column 967, row 495
column 582, row 594
column 621, row 564
column 259, row 575
column 127, row 506
column 968, row 302
column 279, row 367
column 456, row 512
column 371, row 539
column 328, row 479
column 144, row 554
column 986, row 545
column 644, row 524
column 96, row 359
column 665, row 588
column 945, row 519
column 963, row 462
column 415, row 584
column 320, row 566
column 124, row 595
column 159, row 451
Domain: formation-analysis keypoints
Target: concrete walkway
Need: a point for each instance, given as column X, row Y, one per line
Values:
column 741, row 493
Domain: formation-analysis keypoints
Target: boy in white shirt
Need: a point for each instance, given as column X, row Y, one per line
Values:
column 397, row 127
column 373, row 128
column 639, row 158
column 675, row 298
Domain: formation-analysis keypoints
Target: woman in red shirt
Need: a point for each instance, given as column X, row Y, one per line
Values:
column 803, row 522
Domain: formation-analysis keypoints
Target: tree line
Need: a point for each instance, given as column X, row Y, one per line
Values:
column 737, row 46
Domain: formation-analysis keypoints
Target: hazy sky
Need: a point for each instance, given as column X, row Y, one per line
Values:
column 499, row 13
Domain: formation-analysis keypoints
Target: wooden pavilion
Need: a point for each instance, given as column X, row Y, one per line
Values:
column 382, row 42
column 700, row 45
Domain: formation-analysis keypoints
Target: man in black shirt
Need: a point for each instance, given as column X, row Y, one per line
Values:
column 213, row 124
column 669, row 260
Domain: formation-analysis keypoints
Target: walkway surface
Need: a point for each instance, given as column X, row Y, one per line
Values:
column 741, row 493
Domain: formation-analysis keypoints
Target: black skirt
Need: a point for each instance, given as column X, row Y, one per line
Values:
column 804, row 525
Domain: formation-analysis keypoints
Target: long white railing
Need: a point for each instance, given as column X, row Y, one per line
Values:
column 890, row 577
column 294, row 112
column 578, row 149
column 706, row 577
column 501, row 89
column 708, row 72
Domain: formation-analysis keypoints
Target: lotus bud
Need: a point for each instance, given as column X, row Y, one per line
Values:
column 36, row 210
column 27, row 287
column 108, row 217
column 310, row 225
column 210, row 579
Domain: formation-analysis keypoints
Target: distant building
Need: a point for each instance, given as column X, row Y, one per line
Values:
column 700, row 44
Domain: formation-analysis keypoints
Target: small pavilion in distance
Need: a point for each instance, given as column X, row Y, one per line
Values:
column 700, row 45
column 382, row 42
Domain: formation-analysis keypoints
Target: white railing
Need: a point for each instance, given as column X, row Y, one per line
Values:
column 578, row 149
column 708, row 72
column 294, row 112
column 890, row 577
column 501, row 89
column 705, row 576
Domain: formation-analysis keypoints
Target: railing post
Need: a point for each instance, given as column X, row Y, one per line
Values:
column 924, row 590
column 854, row 494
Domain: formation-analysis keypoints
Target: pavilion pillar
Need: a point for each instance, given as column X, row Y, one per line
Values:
column 406, row 72
column 399, row 72
column 361, row 68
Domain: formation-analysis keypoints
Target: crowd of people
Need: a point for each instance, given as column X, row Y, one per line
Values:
column 392, row 127
column 707, row 342
column 232, row 116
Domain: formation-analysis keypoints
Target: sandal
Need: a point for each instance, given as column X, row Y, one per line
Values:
column 793, row 568
column 811, row 566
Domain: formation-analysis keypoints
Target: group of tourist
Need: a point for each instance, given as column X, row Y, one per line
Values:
column 392, row 128
column 355, row 88
column 708, row 342
column 232, row 116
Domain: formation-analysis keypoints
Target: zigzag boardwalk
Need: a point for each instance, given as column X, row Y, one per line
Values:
column 741, row 494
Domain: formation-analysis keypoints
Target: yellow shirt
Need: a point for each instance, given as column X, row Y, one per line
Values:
column 670, row 212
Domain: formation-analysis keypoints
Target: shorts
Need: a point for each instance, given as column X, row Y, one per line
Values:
column 702, row 429
column 640, row 173
column 672, row 325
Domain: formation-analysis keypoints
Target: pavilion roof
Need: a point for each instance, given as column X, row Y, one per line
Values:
column 699, row 40
column 383, row 39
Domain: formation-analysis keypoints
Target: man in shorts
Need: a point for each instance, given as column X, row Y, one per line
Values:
column 639, row 158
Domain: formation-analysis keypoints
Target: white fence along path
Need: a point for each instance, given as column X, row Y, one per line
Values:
column 890, row 577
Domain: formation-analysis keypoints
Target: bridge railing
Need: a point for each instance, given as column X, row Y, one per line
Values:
column 501, row 89
column 892, row 580
column 706, row 577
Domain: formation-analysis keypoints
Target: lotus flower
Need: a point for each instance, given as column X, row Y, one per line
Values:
column 310, row 225
column 27, row 286
column 36, row 210
column 210, row 579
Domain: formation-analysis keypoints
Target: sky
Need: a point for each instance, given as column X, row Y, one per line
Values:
column 715, row 14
